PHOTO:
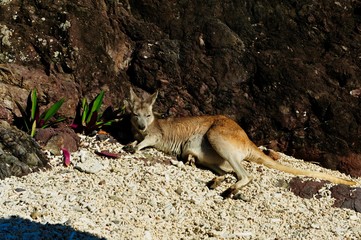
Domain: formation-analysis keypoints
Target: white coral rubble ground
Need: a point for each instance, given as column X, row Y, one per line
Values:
column 137, row 197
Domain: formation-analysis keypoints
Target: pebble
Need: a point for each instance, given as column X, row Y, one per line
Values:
column 127, row 198
column 19, row 190
column 354, row 217
column 89, row 163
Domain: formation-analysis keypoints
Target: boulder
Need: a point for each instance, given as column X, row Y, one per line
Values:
column 19, row 153
column 288, row 72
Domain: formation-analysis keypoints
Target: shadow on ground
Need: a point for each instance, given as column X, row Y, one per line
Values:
column 19, row 228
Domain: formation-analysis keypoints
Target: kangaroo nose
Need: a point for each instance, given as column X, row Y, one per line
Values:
column 141, row 127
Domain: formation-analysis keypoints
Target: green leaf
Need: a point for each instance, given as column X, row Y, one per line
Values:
column 108, row 123
column 85, row 111
column 53, row 109
column 96, row 104
column 34, row 104
column 33, row 129
column 84, row 102
column 58, row 120
column 85, row 115
column 93, row 120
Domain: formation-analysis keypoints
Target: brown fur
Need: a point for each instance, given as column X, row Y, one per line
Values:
column 215, row 142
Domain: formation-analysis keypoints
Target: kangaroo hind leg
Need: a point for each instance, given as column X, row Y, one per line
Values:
column 228, row 144
column 208, row 159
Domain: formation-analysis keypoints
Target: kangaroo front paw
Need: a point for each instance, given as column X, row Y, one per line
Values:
column 129, row 149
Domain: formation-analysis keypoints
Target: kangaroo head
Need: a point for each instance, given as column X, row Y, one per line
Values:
column 141, row 110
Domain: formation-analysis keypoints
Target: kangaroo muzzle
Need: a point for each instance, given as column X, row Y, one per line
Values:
column 142, row 127
column 141, row 124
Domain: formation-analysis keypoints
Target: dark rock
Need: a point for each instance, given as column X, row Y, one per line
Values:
column 54, row 139
column 350, row 163
column 20, row 190
column 19, row 153
column 347, row 197
column 5, row 114
column 306, row 188
column 50, row 89
column 288, row 72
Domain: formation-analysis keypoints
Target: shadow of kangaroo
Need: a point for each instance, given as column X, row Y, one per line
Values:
column 214, row 142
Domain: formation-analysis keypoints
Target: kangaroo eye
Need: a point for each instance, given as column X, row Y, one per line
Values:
column 148, row 116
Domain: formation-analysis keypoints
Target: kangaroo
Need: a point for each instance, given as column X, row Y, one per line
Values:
column 214, row 142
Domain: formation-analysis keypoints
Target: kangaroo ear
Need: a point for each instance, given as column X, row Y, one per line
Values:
column 128, row 105
column 153, row 97
column 133, row 96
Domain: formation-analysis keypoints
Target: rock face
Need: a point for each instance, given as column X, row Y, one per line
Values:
column 287, row 72
column 19, row 153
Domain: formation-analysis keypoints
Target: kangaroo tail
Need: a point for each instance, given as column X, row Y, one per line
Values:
column 259, row 157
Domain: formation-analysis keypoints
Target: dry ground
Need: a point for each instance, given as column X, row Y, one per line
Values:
column 141, row 197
